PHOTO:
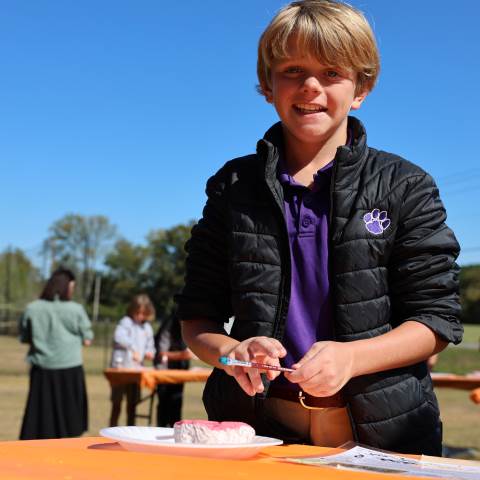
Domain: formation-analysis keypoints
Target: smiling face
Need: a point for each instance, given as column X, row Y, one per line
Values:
column 312, row 100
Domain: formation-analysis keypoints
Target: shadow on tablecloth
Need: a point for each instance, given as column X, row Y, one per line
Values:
column 106, row 446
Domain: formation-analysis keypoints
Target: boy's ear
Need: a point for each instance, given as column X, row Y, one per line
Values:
column 267, row 93
column 358, row 100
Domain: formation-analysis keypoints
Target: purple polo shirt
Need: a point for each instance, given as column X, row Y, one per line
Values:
column 309, row 317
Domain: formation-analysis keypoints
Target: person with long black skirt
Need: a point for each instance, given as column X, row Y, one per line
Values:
column 56, row 329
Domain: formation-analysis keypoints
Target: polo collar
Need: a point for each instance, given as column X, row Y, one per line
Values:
column 270, row 146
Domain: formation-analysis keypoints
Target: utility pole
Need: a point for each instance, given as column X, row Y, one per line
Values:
column 96, row 297
column 44, row 254
column 8, row 275
column 7, row 291
column 52, row 255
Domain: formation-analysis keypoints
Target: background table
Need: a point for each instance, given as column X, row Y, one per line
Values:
column 463, row 382
column 150, row 378
column 93, row 458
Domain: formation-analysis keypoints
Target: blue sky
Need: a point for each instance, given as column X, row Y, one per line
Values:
column 124, row 108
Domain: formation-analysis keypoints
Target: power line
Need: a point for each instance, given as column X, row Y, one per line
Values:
column 460, row 174
column 463, row 190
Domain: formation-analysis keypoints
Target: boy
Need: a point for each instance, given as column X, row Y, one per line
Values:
column 333, row 257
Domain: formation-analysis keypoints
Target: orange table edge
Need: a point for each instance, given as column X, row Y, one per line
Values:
column 97, row 458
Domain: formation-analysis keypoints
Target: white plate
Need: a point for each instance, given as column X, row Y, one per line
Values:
column 160, row 440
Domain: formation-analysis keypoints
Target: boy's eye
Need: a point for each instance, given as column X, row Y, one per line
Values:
column 332, row 74
column 293, row 69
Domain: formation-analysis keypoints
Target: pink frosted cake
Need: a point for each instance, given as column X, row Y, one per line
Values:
column 209, row 433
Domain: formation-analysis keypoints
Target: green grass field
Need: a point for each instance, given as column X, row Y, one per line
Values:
column 472, row 334
column 14, row 389
column 460, row 416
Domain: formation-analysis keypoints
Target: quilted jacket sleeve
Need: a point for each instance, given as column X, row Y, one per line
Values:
column 206, row 292
column 423, row 273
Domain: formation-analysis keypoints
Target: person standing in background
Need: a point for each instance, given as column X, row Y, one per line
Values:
column 132, row 343
column 171, row 352
column 55, row 327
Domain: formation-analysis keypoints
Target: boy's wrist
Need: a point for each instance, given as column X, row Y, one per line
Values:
column 357, row 354
column 207, row 340
column 225, row 349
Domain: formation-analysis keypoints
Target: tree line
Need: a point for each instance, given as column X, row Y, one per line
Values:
column 92, row 247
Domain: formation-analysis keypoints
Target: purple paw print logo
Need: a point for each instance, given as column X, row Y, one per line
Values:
column 376, row 221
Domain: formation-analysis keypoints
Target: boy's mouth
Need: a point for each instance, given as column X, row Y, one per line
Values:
column 309, row 108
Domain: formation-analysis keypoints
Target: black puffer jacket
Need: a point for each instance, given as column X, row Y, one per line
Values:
column 239, row 265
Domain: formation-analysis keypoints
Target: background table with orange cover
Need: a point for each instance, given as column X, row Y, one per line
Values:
column 150, row 378
column 94, row 458
column 464, row 382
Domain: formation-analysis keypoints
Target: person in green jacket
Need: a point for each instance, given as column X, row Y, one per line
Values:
column 56, row 328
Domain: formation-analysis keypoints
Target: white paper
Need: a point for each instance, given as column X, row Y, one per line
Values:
column 360, row 458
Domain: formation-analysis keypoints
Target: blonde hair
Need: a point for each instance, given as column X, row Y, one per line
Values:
column 333, row 32
column 141, row 302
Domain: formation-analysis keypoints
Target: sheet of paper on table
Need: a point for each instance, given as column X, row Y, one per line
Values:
column 365, row 459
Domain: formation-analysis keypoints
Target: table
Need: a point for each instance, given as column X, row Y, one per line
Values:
column 150, row 378
column 464, row 382
column 96, row 458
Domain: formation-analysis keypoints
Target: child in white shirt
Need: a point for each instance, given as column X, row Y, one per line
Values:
column 132, row 343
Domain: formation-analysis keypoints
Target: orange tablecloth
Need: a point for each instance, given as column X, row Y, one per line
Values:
column 94, row 458
column 149, row 378
column 475, row 395
column 463, row 382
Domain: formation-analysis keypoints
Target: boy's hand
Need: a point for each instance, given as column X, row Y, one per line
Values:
column 324, row 369
column 255, row 349
column 149, row 355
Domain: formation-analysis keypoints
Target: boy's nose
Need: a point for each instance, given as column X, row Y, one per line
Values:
column 311, row 84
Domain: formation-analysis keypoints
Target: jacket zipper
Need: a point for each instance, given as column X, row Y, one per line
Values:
column 285, row 261
column 330, row 239
column 330, row 250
